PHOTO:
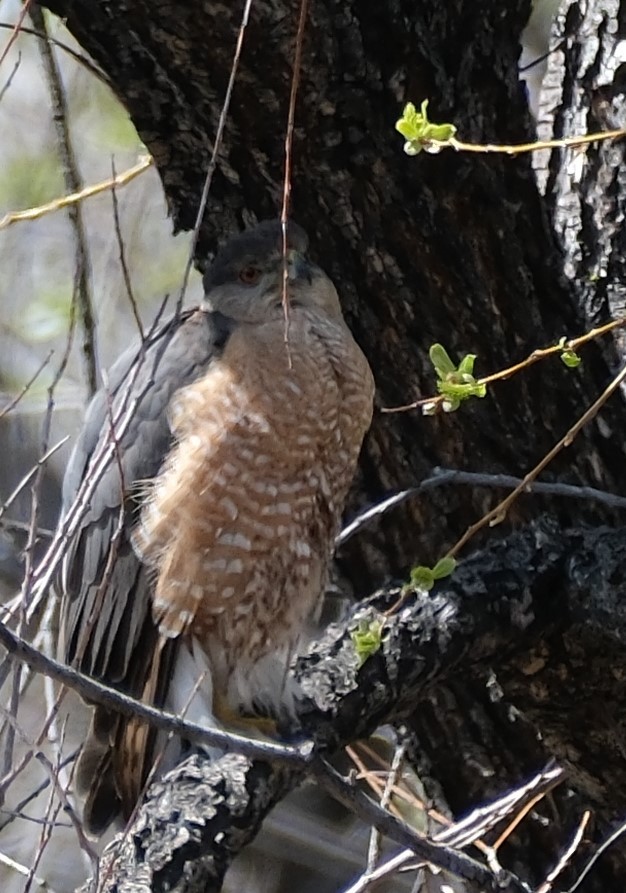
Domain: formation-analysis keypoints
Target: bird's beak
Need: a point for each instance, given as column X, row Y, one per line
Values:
column 298, row 267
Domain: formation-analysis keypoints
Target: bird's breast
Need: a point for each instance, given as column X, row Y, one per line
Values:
column 239, row 525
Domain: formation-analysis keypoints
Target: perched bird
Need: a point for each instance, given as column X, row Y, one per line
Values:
column 207, row 539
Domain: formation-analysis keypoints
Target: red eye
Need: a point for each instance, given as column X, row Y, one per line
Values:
column 249, row 275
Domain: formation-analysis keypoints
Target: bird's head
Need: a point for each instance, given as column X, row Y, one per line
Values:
column 245, row 281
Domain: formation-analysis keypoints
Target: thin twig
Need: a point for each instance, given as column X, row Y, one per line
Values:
column 373, row 849
column 26, row 588
column 98, row 464
column 601, row 849
column 443, row 857
column 18, row 868
column 7, row 781
column 23, row 527
column 520, row 800
column 498, row 513
column 13, row 403
column 16, row 28
column 9, row 80
column 56, row 790
column 50, row 815
column 122, row 252
column 434, row 146
column 291, row 117
column 96, row 468
column 65, row 201
column 565, row 142
column 19, row 650
column 451, row 477
column 18, row 810
column 221, row 124
column 72, row 184
column 395, row 863
column 31, row 541
column 68, row 808
column 30, row 475
column 537, row 355
column 566, row 855
column 82, row 60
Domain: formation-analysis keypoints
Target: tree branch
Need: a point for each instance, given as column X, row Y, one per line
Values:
column 499, row 604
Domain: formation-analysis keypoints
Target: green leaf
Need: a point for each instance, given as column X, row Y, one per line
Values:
column 454, row 383
column 422, row 578
column 466, row 366
column 419, row 132
column 409, row 124
column 445, row 567
column 367, row 638
column 440, row 358
column 571, row 359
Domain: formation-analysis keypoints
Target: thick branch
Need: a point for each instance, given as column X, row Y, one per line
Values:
column 497, row 608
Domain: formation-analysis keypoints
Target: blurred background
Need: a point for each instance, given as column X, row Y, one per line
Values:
column 309, row 844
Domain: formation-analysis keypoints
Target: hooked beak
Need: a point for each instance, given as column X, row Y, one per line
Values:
column 298, row 267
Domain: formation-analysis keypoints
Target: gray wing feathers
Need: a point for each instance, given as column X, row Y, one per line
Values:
column 106, row 597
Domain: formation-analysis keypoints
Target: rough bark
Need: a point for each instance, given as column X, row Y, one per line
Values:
column 540, row 635
column 453, row 248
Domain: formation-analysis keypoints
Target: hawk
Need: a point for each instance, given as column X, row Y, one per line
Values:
column 207, row 540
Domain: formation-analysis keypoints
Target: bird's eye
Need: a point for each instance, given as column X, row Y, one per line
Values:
column 249, row 275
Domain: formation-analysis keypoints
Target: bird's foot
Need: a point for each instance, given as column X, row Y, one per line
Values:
column 251, row 726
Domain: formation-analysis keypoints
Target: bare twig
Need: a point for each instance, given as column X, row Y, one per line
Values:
column 395, row 863
column 19, row 650
column 601, row 849
column 373, row 849
column 291, row 117
column 29, row 550
column 566, row 855
column 33, row 751
column 15, row 30
column 17, row 811
column 53, row 807
column 519, row 800
column 56, row 791
column 537, row 355
column 65, row 201
column 73, row 184
column 26, row 587
column 443, row 857
column 450, row 477
column 82, row 60
column 9, row 80
column 13, row 403
column 24, row 527
column 18, row 868
column 213, row 160
column 30, row 475
column 521, row 148
column 498, row 513
column 97, row 466
column 122, row 251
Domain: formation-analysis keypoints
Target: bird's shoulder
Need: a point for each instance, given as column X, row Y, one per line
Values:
column 132, row 406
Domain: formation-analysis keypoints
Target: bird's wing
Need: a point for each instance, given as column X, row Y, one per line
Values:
column 106, row 624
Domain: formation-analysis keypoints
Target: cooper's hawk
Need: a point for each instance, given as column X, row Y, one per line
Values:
column 207, row 540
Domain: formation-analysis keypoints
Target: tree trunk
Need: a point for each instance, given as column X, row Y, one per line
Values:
column 454, row 248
